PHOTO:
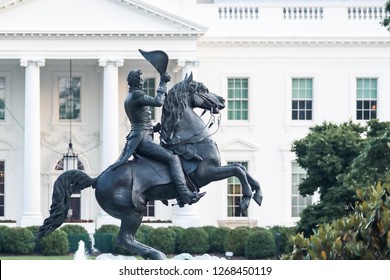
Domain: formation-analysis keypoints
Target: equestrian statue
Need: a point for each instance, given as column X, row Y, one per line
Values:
column 186, row 159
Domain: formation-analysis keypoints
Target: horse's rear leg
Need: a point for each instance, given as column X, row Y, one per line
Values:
column 205, row 174
column 126, row 238
column 255, row 186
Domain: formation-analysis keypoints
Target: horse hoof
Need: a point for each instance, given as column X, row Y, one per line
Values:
column 258, row 198
column 157, row 256
column 244, row 204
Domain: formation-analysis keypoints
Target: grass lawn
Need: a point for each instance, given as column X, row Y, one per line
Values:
column 38, row 257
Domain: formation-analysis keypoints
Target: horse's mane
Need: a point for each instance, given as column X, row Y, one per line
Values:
column 173, row 108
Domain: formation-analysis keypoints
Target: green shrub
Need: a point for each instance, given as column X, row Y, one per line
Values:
column 260, row 245
column 163, row 239
column 193, row 241
column 75, row 234
column 34, row 230
column 236, row 239
column 142, row 234
column 104, row 238
column 19, row 241
column 108, row 229
column 364, row 235
column 217, row 240
column 179, row 231
column 285, row 233
column 3, row 233
column 55, row 244
column 104, row 242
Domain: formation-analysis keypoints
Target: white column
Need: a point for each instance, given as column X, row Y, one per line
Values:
column 109, row 129
column 187, row 216
column 109, row 133
column 32, row 214
column 187, row 66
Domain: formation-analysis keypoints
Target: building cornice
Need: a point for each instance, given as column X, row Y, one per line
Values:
column 102, row 34
column 294, row 42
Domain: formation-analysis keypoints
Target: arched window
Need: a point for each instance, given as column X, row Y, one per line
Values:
column 60, row 165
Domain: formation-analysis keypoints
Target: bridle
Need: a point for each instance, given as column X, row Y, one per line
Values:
column 208, row 125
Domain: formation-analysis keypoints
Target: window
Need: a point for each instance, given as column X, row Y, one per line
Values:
column 234, row 195
column 150, row 89
column 2, row 98
column 302, row 98
column 149, row 210
column 366, row 98
column 2, row 187
column 69, row 98
column 238, row 89
column 298, row 202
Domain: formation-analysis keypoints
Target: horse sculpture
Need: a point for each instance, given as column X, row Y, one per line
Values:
column 119, row 191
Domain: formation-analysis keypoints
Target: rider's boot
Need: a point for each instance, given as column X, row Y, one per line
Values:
column 185, row 195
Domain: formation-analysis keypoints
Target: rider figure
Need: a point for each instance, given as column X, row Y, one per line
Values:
column 140, row 138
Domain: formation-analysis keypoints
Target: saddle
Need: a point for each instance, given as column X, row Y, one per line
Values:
column 143, row 167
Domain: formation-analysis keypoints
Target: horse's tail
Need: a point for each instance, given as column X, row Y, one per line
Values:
column 67, row 183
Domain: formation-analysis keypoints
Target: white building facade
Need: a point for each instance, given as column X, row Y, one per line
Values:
column 282, row 66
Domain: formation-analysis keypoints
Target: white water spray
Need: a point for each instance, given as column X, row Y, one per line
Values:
column 80, row 253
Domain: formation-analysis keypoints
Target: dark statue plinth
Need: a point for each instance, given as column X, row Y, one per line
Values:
column 124, row 188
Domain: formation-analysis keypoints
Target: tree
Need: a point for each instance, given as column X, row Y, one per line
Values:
column 386, row 20
column 338, row 159
column 327, row 153
column 372, row 166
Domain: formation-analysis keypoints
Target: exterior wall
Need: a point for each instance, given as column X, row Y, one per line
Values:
column 269, row 48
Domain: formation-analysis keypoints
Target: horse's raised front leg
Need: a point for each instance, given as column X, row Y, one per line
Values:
column 206, row 174
column 126, row 238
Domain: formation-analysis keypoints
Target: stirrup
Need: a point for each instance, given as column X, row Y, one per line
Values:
column 196, row 196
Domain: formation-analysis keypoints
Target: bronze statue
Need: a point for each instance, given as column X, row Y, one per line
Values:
column 120, row 191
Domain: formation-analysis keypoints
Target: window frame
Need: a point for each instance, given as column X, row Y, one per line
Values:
column 315, row 99
column 7, row 97
column 251, row 90
column 366, row 99
column 379, row 94
column 4, row 186
column 298, row 195
column 83, row 98
column 235, row 181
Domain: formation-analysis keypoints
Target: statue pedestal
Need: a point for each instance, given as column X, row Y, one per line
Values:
column 186, row 217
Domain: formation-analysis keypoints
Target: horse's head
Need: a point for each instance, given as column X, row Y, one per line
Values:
column 202, row 98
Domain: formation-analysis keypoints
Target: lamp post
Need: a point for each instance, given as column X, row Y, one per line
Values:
column 70, row 159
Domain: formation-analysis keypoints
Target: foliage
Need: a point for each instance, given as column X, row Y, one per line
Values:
column 386, row 21
column 34, row 230
column 179, row 231
column 163, row 239
column 327, row 153
column 282, row 236
column 104, row 238
column 55, row 244
column 236, row 239
column 217, row 239
column 142, row 234
column 260, row 245
column 3, row 232
column 373, row 163
column 363, row 235
column 108, row 229
column 75, row 234
column 193, row 241
column 19, row 241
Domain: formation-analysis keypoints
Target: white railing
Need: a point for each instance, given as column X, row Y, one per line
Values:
column 303, row 13
column 238, row 13
column 269, row 11
column 366, row 13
